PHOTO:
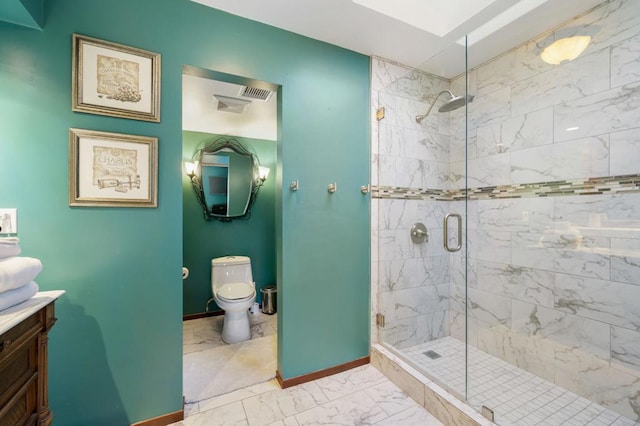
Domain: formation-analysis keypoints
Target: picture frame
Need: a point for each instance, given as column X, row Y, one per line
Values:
column 115, row 80
column 112, row 169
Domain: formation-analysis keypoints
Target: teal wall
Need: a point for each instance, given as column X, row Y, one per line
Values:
column 29, row 13
column 116, row 350
column 204, row 240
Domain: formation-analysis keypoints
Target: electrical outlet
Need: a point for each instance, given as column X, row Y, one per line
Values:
column 8, row 221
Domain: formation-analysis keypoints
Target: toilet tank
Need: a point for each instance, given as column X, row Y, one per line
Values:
column 231, row 269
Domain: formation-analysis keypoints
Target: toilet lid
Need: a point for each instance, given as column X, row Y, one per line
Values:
column 235, row 291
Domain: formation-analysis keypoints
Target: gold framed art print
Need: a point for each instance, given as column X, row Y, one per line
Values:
column 114, row 79
column 112, row 169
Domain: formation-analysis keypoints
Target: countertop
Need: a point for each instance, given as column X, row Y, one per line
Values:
column 12, row 316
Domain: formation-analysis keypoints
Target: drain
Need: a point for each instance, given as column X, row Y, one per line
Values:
column 432, row 354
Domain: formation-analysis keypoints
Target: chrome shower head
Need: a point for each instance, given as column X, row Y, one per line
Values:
column 454, row 103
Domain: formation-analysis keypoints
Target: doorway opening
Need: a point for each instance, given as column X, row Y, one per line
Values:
column 219, row 107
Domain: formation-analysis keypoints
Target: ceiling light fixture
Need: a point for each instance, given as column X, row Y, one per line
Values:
column 229, row 104
column 565, row 49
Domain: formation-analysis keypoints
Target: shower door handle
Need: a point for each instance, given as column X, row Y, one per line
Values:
column 446, row 232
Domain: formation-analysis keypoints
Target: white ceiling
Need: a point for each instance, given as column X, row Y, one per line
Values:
column 422, row 33
column 200, row 112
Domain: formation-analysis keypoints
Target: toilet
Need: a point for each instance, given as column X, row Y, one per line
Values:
column 233, row 291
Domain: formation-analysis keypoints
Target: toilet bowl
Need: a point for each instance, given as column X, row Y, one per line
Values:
column 234, row 292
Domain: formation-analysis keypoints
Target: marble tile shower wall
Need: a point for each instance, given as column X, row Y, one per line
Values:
column 553, row 282
column 410, row 282
column 553, row 287
column 518, row 122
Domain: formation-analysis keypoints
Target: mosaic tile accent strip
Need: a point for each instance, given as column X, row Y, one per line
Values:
column 560, row 188
column 397, row 192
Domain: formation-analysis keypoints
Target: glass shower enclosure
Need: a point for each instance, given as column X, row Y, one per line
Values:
column 523, row 297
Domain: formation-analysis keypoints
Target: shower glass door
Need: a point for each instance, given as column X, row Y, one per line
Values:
column 419, row 178
column 536, row 318
column 554, row 225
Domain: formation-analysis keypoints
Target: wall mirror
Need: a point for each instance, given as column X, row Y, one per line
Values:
column 226, row 178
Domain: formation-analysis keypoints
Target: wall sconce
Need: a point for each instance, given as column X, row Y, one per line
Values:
column 565, row 49
column 263, row 173
column 191, row 167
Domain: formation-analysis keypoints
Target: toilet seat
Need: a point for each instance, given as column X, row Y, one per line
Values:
column 235, row 292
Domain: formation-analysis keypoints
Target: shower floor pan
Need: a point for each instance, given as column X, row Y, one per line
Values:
column 516, row 396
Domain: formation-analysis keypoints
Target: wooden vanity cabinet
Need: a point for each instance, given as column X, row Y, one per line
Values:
column 23, row 370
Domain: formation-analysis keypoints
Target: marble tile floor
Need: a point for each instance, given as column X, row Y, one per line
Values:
column 206, row 333
column 516, row 396
column 212, row 367
column 358, row 396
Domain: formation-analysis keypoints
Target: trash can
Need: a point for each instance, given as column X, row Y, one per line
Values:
column 269, row 299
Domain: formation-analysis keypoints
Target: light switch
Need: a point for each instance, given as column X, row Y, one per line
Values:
column 8, row 221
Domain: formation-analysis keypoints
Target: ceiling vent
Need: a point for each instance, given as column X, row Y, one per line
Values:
column 228, row 104
column 255, row 93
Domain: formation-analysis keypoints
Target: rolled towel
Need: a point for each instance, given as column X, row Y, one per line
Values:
column 9, row 247
column 17, row 271
column 13, row 297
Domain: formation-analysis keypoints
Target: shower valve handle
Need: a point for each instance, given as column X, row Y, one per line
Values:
column 419, row 233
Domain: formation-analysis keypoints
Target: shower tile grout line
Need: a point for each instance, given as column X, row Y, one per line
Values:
column 549, row 401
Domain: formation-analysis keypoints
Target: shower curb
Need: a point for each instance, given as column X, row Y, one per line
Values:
column 441, row 404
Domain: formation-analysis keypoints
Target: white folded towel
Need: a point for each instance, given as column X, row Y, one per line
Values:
column 17, row 271
column 9, row 247
column 13, row 297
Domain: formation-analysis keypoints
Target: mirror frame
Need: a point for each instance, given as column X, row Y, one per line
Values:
column 229, row 144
